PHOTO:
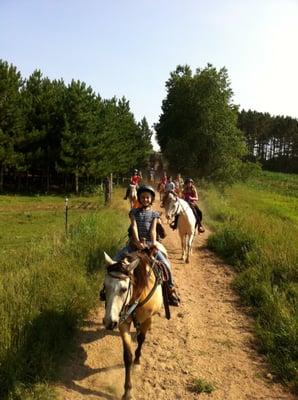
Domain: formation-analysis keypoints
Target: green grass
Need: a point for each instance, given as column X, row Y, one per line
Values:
column 201, row 386
column 48, row 284
column 255, row 229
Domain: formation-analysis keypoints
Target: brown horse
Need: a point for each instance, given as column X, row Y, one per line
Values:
column 133, row 294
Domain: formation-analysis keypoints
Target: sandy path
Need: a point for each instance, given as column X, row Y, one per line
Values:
column 208, row 337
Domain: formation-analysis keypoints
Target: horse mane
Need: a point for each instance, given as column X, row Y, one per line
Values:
column 140, row 274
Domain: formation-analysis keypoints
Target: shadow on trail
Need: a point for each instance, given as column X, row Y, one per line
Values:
column 86, row 391
column 76, row 368
column 92, row 335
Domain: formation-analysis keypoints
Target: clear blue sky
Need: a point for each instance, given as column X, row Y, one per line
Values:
column 129, row 47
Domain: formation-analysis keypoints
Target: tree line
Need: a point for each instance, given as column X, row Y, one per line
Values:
column 53, row 134
column 272, row 140
column 202, row 133
column 197, row 129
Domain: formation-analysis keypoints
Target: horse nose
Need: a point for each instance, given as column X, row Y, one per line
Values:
column 111, row 326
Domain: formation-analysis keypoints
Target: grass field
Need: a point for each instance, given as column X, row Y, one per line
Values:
column 49, row 282
column 256, row 229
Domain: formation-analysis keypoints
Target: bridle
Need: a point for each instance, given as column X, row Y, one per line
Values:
column 128, row 310
column 179, row 208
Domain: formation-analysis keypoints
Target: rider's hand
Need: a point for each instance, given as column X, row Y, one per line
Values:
column 140, row 245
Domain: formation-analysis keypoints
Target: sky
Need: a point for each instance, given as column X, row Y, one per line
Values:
column 129, row 47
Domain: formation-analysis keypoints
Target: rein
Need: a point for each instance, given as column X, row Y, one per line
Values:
column 178, row 207
column 136, row 304
column 128, row 310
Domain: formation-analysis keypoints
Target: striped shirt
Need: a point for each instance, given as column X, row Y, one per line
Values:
column 144, row 220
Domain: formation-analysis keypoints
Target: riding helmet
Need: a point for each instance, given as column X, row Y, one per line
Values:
column 146, row 188
column 135, row 171
column 188, row 180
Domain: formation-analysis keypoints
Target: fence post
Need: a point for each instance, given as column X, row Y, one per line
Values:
column 66, row 216
column 111, row 186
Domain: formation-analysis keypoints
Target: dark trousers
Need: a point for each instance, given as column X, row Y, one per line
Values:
column 197, row 212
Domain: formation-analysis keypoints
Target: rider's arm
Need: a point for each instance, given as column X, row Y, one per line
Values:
column 195, row 196
column 135, row 233
column 153, row 231
column 134, row 229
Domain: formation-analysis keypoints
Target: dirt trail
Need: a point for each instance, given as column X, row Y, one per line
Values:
column 209, row 337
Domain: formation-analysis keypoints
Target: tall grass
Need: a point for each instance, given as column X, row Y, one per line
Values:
column 256, row 229
column 45, row 293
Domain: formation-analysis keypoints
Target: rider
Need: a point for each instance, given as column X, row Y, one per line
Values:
column 135, row 179
column 143, row 229
column 163, row 181
column 179, row 184
column 170, row 187
column 190, row 195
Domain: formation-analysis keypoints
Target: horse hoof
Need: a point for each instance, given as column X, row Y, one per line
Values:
column 127, row 397
column 187, row 261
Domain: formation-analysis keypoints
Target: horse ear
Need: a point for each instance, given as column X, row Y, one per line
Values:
column 108, row 259
column 133, row 265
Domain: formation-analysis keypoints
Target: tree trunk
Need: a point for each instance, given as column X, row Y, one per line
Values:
column 77, row 182
column 48, row 179
column 1, row 178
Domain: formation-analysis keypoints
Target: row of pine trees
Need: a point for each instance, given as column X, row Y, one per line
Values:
column 272, row 140
column 64, row 135
column 53, row 134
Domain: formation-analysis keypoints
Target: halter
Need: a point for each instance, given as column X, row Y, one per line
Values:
column 179, row 208
column 127, row 309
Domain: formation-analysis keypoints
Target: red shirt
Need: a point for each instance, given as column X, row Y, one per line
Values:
column 135, row 180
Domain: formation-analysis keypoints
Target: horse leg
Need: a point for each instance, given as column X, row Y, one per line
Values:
column 127, row 355
column 182, row 238
column 189, row 245
column 141, row 338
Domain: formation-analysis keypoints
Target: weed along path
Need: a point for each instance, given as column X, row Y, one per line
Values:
column 209, row 337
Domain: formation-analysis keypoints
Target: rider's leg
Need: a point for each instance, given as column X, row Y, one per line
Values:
column 122, row 253
column 199, row 217
column 161, row 257
column 127, row 193
column 174, row 224
column 173, row 297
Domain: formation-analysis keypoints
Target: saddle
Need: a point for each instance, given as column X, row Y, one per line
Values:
column 169, row 294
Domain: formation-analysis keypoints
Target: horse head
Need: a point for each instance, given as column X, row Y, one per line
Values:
column 118, row 288
column 171, row 205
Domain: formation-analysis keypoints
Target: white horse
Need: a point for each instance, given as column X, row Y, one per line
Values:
column 186, row 222
column 132, row 197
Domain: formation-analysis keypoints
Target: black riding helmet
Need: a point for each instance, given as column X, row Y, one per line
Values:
column 146, row 188
column 188, row 180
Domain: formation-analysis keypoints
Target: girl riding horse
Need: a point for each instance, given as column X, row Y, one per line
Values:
column 190, row 195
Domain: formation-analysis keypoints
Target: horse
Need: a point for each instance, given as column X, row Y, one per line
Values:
column 133, row 294
column 186, row 222
column 132, row 197
column 161, row 189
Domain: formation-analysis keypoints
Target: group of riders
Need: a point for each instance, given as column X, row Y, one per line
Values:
column 144, row 221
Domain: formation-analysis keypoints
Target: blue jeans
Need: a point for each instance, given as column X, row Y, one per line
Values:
column 159, row 256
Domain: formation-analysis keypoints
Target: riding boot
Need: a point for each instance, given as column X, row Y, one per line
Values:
column 174, row 224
